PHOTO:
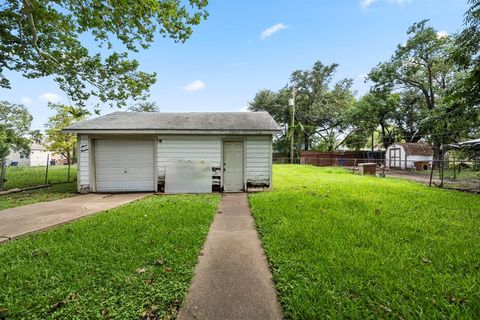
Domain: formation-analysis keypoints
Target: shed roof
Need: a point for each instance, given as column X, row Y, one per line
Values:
column 416, row 148
column 197, row 121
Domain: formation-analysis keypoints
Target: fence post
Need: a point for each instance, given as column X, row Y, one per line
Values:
column 3, row 173
column 431, row 173
column 46, row 171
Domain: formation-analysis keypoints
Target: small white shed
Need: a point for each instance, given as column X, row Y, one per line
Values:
column 404, row 155
column 175, row 152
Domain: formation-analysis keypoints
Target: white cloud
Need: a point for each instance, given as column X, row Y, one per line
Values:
column 442, row 34
column 49, row 97
column 273, row 29
column 244, row 109
column 367, row 3
column 25, row 100
column 194, row 86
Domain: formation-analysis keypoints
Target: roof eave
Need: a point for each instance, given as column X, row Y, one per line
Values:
column 162, row 131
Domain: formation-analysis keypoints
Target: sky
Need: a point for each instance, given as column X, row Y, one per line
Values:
column 248, row 45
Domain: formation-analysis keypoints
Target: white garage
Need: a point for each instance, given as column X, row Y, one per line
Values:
column 175, row 152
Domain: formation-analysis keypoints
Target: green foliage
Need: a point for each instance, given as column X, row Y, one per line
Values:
column 320, row 106
column 40, row 38
column 145, row 107
column 15, row 123
column 464, row 96
column 344, row 246
column 57, row 141
column 127, row 263
column 422, row 67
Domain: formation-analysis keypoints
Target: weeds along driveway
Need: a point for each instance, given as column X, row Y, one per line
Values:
column 54, row 192
column 126, row 263
column 343, row 246
column 19, row 221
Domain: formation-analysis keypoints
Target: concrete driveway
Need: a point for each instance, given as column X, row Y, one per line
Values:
column 18, row 221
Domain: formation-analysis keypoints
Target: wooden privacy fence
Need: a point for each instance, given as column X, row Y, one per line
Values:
column 341, row 158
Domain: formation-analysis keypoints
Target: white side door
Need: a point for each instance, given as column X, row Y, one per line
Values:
column 233, row 166
column 124, row 165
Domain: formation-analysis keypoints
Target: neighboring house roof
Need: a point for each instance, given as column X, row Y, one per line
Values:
column 164, row 121
column 416, row 148
column 37, row 147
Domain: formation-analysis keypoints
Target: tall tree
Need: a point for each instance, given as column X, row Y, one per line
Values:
column 276, row 104
column 145, row 106
column 320, row 107
column 15, row 121
column 464, row 96
column 466, row 54
column 421, row 64
column 57, row 141
column 40, row 38
column 411, row 118
column 373, row 112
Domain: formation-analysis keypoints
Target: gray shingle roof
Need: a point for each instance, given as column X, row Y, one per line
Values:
column 216, row 121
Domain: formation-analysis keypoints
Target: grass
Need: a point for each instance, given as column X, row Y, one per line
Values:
column 127, row 263
column 21, row 177
column 343, row 246
column 54, row 192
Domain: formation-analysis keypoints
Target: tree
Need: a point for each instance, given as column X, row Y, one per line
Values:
column 15, row 121
column 464, row 96
column 466, row 55
column 40, row 38
column 411, row 118
column 57, row 141
column 276, row 104
column 421, row 65
column 320, row 107
column 145, row 107
column 373, row 112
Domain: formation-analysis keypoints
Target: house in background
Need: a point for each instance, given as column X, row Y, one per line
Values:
column 175, row 152
column 409, row 155
column 38, row 156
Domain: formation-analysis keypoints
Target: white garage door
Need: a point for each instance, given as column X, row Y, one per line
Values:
column 124, row 165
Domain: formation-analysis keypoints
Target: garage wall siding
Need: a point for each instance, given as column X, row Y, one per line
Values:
column 174, row 148
column 83, row 163
column 258, row 161
column 209, row 148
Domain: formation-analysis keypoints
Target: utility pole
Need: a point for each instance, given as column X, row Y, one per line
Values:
column 292, row 133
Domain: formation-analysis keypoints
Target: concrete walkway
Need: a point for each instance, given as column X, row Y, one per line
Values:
column 232, row 279
column 18, row 221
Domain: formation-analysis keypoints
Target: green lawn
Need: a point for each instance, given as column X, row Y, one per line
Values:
column 343, row 246
column 54, row 192
column 21, row 177
column 127, row 263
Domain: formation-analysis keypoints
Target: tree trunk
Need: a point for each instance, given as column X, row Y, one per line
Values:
column 437, row 154
column 3, row 173
column 306, row 140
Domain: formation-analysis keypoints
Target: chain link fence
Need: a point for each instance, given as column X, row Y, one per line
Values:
column 30, row 176
column 461, row 175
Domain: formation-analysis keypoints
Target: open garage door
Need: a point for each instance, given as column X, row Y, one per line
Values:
column 124, row 165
